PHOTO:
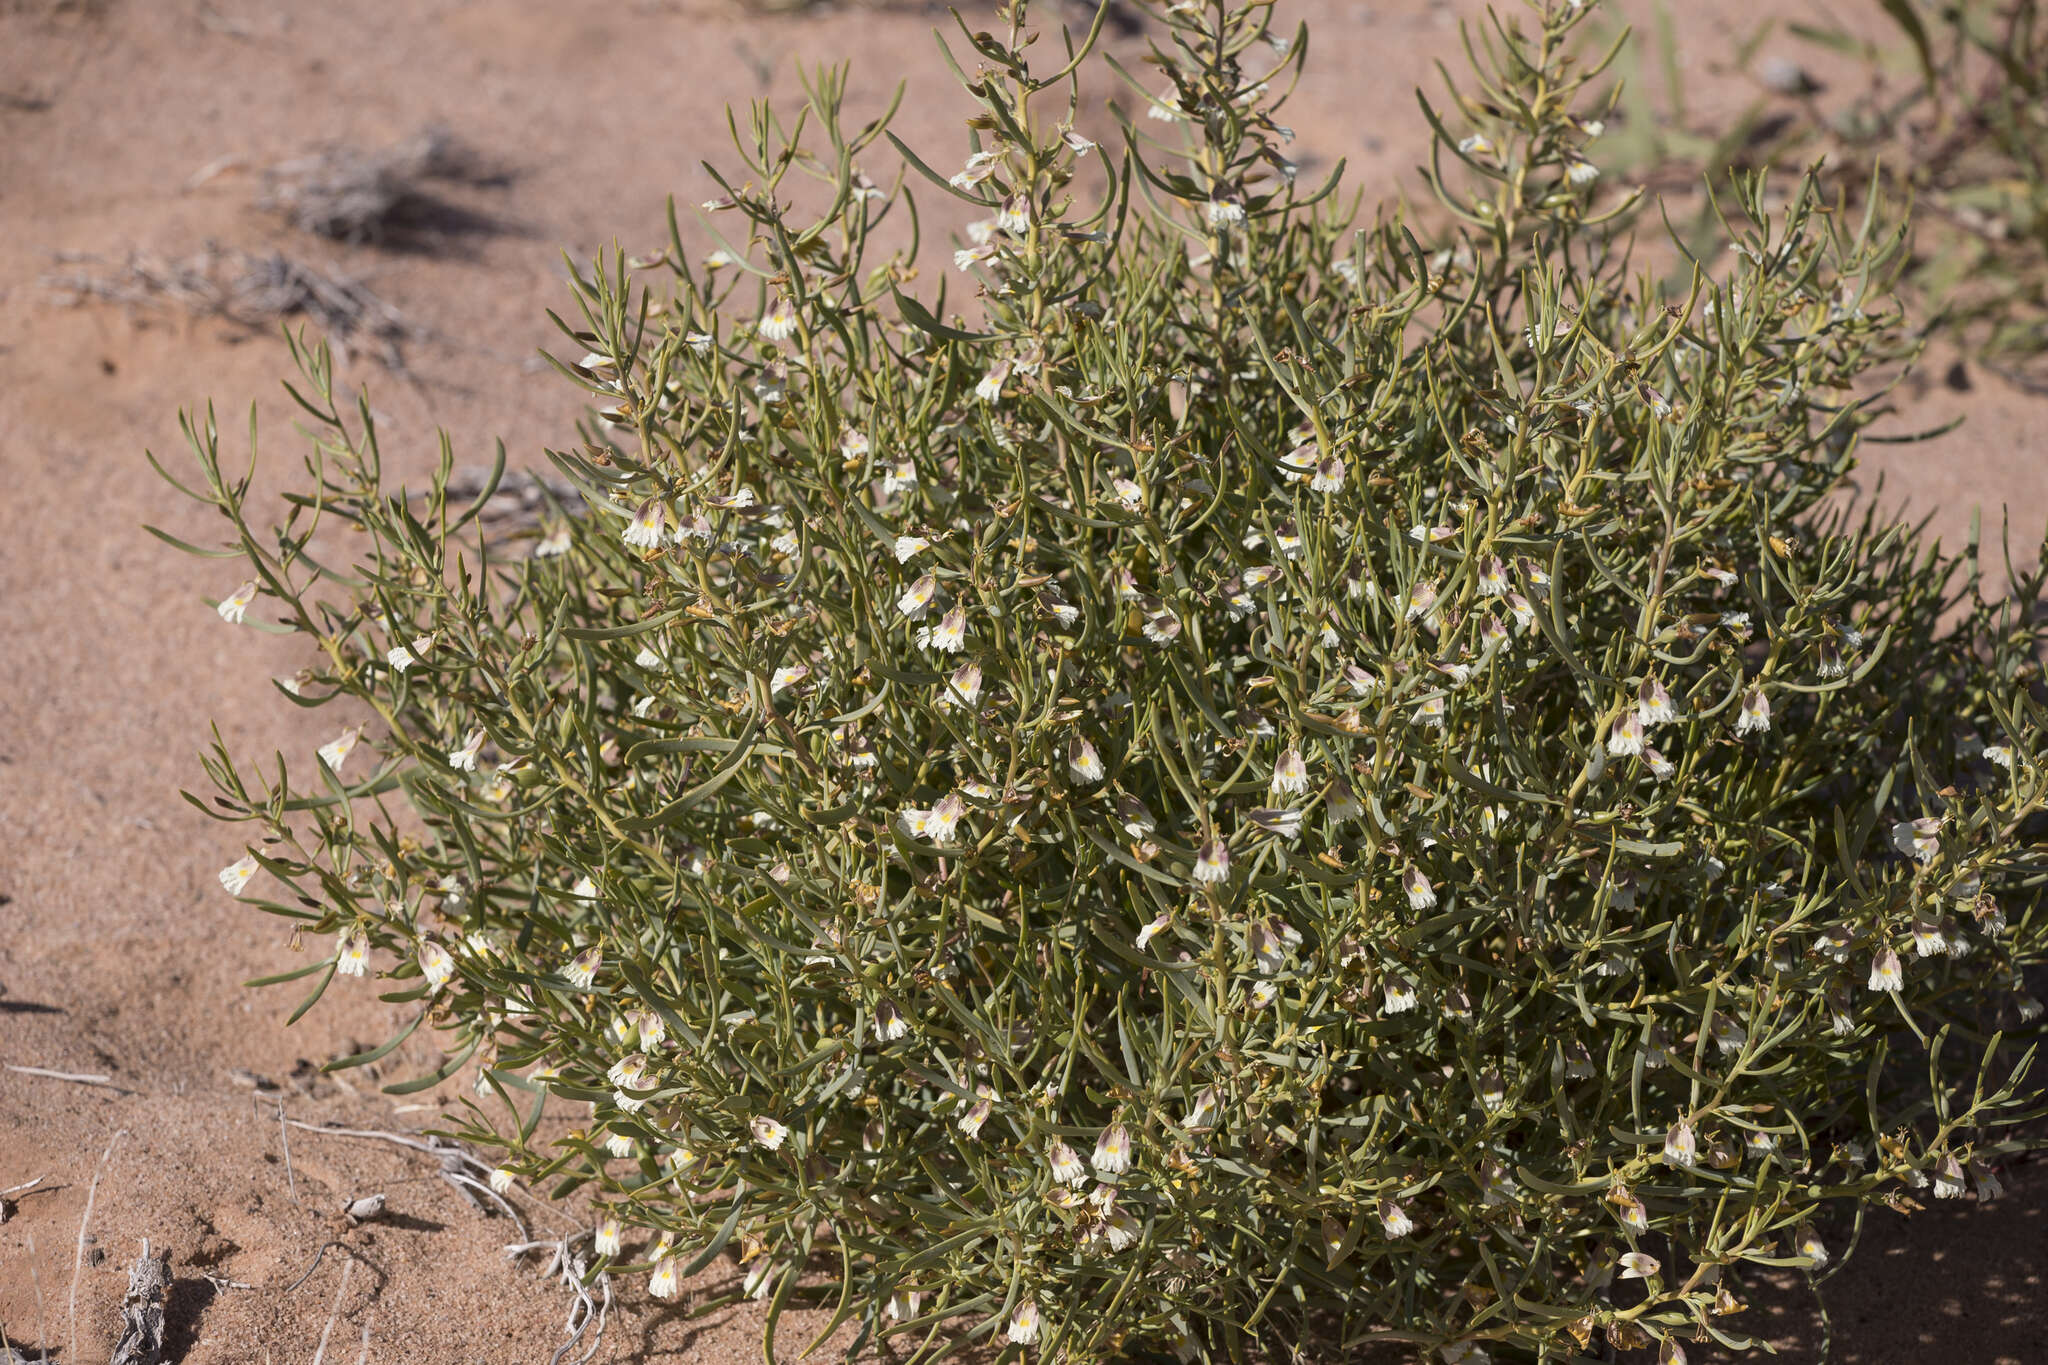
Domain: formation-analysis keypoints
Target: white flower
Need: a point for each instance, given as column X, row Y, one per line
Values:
column 1885, row 973
column 1212, row 863
column 1475, row 144
column 1066, row 1164
column 501, row 1179
column 1162, row 627
column 1112, row 1150
column 918, row 596
column 1120, row 1230
column 767, row 1131
column 1755, row 717
column 236, row 875
column 1626, row 739
column 1400, row 995
column 1431, row 711
column 1078, row 145
column 1999, row 754
column 980, row 166
column 1225, row 212
column 1662, row 768
column 1928, row 940
column 335, row 751
column 435, row 964
column 1493, row 578
column 889, row 1023
column 1024, row 1323
column 1421, row 895
column 964, row 687
column 645, row 530
column 941, row 820
column 990, row 387
column 1158, row 925
column 1290, row 775
column 619, row 1145
column 1015, row 215
column 464, row 758
column 1637, row 1265
column 553, row 544
column 663, row 1283
column 651, row 1028
column 608, row 1239
column 909, row 546
column 1653, row 704
column 1809, row 1245
column 629, row 1072
column 977, row 1113
column 400, row 658
column 1343, row 803
column 235, row 605
column 583, row 968
column 1681, row 1147
column 903, row 1304
column 1394, row 1219
column 1918, row 838
column 1285, row 823
column 949, row 635
column 1581, row 172
column 1634, row 1216
column 1519, row 608
column 352, row 958
column 1421, row 600
column 1083, row 763
column 900, row 477
column 787, row 677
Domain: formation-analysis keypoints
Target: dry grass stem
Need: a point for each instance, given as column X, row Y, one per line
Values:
column 78, row 1261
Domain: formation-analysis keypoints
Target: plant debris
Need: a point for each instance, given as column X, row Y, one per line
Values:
column 250, row 290
column 142, row 1311
column 379, row 197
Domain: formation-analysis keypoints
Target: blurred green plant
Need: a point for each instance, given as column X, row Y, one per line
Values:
column 1953, row 113
column 1271, row 777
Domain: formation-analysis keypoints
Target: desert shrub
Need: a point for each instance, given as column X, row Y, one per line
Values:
column 1949, row 115
column 1264, row 775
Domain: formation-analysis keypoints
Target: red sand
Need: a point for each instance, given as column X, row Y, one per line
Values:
column 120, row 955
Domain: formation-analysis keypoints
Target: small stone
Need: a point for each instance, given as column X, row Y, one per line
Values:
column 364, row 1209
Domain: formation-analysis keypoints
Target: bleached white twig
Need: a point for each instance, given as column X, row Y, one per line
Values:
column 347, row 1268
column 78, row 1261
column 75, row 1077
column 35, row 1277
column 564, row 1264
column 284, row 1136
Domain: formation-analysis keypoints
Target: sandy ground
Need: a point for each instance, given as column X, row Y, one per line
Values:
column 120, row 956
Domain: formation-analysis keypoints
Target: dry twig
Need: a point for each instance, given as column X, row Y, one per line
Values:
column 84, row 1222
column 573, row 1269
column 76, row 1077
column 348, row 1268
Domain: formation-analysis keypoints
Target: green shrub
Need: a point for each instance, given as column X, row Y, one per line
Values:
column 1266, row 777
